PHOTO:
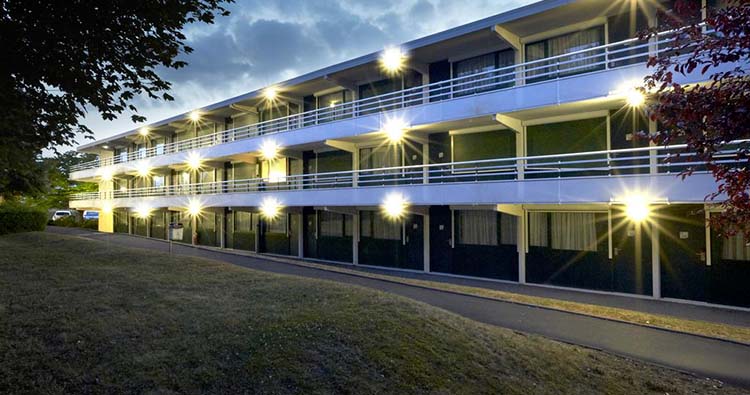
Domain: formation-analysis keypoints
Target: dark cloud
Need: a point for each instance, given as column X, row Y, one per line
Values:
column 264, row 42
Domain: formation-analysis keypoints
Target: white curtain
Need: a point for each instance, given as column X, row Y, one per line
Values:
column 538, row 230
column 365, row 224
column 573, row 231
column 472, row 66
column 574, row 42
column 735, row 248
column 477, row 227
column 278, row 224
column 385, row 229
column 331, row 224
column 508, row 229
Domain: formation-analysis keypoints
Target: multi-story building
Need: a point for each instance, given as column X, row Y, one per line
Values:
column 504, row 149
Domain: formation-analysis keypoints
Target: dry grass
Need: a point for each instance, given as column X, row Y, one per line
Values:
column 76, row 317
column 703, row 328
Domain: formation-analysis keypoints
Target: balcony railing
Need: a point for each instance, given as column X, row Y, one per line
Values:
column 588, row 60
column 647, row 160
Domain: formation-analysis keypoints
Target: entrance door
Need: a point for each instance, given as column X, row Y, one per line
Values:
column 631, row 255
column 682, row 240
column 414, row 248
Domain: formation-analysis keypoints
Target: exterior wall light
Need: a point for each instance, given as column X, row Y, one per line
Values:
column 634, row 98
column 143, row 169
column 394, row 206
column 270, row 208
column 106, row 207
column 269, row 150
column 195, row 116
column 637, row 208
column 395, row 130
column 142, row 211
column 143, row 131
column 194, row 208
column 194, row 161
column 105, row 174
column 270, row 93
column 392, row 60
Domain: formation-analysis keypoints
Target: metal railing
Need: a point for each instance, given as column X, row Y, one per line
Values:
column 647, row 160
column 587, row 60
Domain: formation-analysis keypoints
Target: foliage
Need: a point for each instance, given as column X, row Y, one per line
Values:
column 707, row 116
column 15, row 218
column 62, row 59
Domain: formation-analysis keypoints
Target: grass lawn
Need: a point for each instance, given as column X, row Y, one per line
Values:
column 704, row 328
column 80, row 316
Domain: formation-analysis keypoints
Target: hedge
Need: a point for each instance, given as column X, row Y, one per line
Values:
column 15, row 219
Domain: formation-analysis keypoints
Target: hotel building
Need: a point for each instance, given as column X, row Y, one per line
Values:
column 505, row 149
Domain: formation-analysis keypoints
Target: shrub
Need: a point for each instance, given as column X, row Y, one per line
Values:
column 90, row 224
column 17, row 218
column 69, row 222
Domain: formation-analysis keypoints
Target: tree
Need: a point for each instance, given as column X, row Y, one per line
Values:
column 62, row 58
column 706, row 117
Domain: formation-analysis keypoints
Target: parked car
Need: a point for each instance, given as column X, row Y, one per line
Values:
column 87, row 215
column 59, row 214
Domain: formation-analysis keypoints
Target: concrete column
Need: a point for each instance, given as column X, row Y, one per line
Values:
column 426, row 243
column 300, row 236
column 655, row 263
column 521, row 248
column 426, row 161
column 355, row 238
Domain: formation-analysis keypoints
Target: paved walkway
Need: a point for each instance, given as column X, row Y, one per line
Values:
column 704, row 357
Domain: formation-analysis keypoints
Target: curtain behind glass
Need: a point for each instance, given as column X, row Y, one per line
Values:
column 331, row 224
column 477, row 227
column 573, row 231
column 278, row 224
column 508, row 229
column 538, row 230
column 472, row 66
column 735, row 249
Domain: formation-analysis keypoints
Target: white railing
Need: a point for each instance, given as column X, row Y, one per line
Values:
column 647, row 160
column 602, row 57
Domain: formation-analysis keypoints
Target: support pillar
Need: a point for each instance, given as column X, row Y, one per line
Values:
column 655, row 263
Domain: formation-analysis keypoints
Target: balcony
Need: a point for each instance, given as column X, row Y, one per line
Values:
column 605, row 57
column 651, row 164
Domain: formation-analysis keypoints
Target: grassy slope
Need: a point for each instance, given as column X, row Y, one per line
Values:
column 78, row 316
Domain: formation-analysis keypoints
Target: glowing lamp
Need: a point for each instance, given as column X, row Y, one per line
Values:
column 270, row 208
column 106, row 174
column 194, row 161
column 106, row 207
column 394, row 206
column 143, row 131
column 194, row 208
column 634, row 98
column 143, row 169
column 195, row 116
column 392, row 59
column 636, row 208
column 142, row 211
column 269, row 150
column 270, row 93
column 395, row 130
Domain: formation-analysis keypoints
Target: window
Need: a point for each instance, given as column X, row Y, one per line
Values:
column 380, row 157
column 479, row 64
column 477, row 227
column 331, row 224
column 485, row 145
column 567, row 137
column 375, row 226
column 330, row 105
column 245, row 221
column 735, row 248
column 159, row 146
column 560, row 45
column 141, row 149
column 158, row 181
column 563, row 231
column 278, row 225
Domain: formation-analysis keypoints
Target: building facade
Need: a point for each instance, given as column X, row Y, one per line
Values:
column 505, row 149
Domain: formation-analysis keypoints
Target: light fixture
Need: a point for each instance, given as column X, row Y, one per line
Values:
column 105, row 146
column 394, row 206
column 106, row 207
column 269, row 150
column 394, row 129
column 143, row 131
column 143, row 169
column 392, row 60
column 270, row 208
column 142, row 211
column 195, row 116
column 194, row 208
column 106, row 174
column 270, row 93
column 634, row 98
column 637, row 208
column 194, row 161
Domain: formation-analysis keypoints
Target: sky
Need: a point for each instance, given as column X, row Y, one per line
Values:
column 269, row 41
